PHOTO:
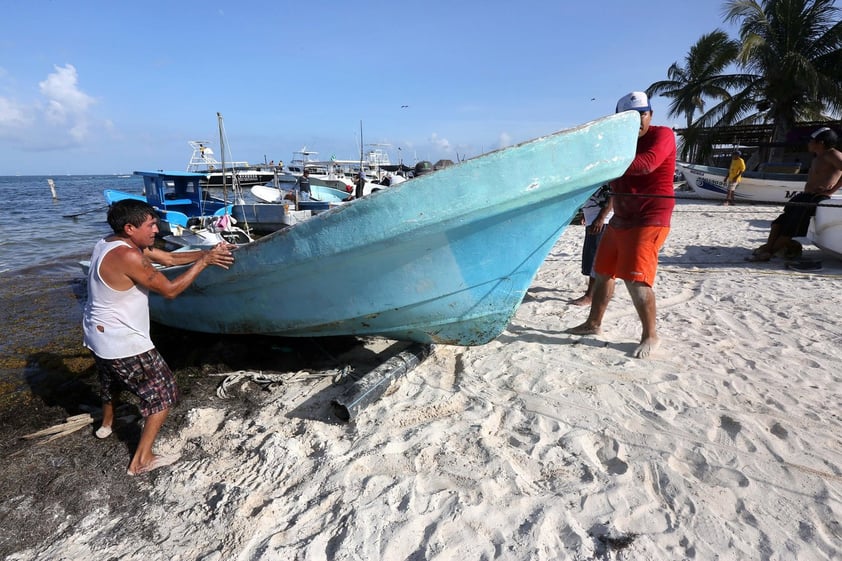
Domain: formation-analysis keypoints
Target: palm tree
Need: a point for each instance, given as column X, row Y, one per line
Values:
column 792, row 53
column 701, row 76
column 789, row 59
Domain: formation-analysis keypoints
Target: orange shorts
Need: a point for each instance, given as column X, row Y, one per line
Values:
column 630, row 254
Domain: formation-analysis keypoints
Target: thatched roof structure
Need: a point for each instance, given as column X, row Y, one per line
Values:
column 709, row 146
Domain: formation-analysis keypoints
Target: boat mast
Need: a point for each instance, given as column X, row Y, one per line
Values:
column 222, row 149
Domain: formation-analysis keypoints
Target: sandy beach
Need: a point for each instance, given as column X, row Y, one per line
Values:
column 726, row 444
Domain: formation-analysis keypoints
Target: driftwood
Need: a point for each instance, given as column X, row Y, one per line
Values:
column 71, row 425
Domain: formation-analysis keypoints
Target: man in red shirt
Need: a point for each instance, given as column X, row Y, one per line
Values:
column 643, row 203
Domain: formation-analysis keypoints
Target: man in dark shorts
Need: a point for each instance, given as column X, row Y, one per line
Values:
column 116, row 319
column 823, row 180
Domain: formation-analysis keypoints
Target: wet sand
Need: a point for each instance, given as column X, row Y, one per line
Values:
column 46, row 375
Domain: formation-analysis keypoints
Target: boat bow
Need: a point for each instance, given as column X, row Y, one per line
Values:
column 444, row 258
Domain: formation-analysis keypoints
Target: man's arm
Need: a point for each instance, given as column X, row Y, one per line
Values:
column 140, row 269
column 648, row 161
column 173, row 258
column 599, row 222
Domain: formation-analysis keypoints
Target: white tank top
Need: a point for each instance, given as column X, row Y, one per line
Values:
column 115, row 322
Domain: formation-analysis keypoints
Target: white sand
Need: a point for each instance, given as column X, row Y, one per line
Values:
column 727, row 444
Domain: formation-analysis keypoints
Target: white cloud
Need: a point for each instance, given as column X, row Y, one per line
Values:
column 12, row 114
column 61, row 117
column 504, row 140
column 65, row 101
column 441, row 144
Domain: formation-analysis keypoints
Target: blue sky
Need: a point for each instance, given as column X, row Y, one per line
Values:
column 112, row 87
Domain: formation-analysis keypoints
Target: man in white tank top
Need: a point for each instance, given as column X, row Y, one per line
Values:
column 116, row 319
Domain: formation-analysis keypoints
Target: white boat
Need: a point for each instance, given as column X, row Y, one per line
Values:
column 276, row 209
column 343, row 174
column 328, row 173
column 825, row 230
column 202, row 161
column 709, row 183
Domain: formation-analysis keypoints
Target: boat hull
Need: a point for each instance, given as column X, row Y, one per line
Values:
column 709, row 183
column 444, row 258
column 826, row 226
column 245, row 178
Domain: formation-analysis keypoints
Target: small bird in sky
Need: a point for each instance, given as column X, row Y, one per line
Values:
column 404, row 106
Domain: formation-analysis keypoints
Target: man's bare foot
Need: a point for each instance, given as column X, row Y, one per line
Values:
column 584, row 329
column 646, row 347
column 581, row 301
column 155, row 463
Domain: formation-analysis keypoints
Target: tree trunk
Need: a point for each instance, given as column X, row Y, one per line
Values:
column 781, row 127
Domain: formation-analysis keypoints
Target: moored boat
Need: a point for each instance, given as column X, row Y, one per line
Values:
column 242, row 174
column 183, row 205
column 443, row 258
column 709, row 183
column 276, row 208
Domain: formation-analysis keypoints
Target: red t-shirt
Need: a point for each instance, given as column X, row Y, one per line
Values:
column 651, row 173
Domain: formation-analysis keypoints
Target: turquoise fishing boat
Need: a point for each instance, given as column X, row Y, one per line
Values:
column 444, row 258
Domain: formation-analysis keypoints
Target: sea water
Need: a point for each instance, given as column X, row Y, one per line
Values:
column 39, row 230
column 42, row 240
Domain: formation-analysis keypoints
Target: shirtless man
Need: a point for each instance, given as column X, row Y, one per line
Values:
column 630, row 244
column 116, row 319
column 823, row 179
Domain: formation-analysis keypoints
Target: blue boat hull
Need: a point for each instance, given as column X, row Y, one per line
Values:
column 444, row 258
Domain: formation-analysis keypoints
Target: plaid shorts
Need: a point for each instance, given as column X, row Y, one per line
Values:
column 146, row 375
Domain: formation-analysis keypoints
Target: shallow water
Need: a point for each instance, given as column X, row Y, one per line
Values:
column 37, row 229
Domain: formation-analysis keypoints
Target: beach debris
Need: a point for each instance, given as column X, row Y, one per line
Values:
column 69, row 426
column 368, row 389
column 267, row 381
column 609, row 539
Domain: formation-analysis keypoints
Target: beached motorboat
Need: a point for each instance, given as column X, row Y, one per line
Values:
column 709, row 183
column 443, row 258
column 242, row 174
column 825, row 230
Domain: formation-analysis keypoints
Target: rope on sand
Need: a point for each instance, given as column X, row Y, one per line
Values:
column 268, row 380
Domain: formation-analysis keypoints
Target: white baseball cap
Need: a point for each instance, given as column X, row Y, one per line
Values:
column 635, row 101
